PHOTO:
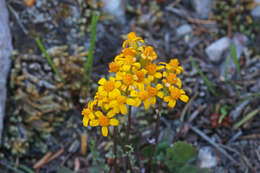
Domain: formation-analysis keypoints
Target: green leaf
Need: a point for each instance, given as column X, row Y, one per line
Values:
column 187, row 169
column 235, row 58
column 204, row 77
column 179, row 155
column 39, row 43
column 65, row 170
column 89, row 63
column 146, row 151
column 223, row 111
column 193, row 169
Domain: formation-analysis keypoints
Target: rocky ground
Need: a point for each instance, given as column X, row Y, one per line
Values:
column 43, row 114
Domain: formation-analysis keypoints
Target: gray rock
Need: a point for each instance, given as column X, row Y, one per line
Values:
column 218, row 48
column 115, row 8
column 207, row 157
column 183, row 30
column 5, row 51
column 255, row 12
column 202, row 7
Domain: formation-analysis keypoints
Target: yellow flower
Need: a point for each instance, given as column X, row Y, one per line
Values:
column 153, row 92
column 140, row 78
column 88, row 113
column 175, row 94
column 145, row 96
column 108, row 87
column 132, row 40
column 114, row 67
column 173, row 66
column 127, row 79
column 171, row 79
column 118, row 104
column 152, row 70
column 148, row 53
column 126, row 62
column 104, row 122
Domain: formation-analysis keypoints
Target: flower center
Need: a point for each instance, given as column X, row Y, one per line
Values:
column 143, row 95
column 140, row 76
column 151, row 69
column 152, row 91
column 121, row 100
column 171, row 78
column 175, row 93
column 129, row 52
column 86, row 112
column 103, row 121
column 128, row 79
column 109, row 86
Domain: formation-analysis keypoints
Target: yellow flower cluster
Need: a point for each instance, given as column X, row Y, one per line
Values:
column 137, row 79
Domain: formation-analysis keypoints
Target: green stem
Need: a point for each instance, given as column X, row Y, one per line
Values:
column 115, row 149
column 128, row 124
column 149, row 165
column 89, row 63
column 39, row 43
column 128, row 163
column 246, row 118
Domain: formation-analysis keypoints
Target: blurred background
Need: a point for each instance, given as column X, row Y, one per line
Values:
column 216, row 41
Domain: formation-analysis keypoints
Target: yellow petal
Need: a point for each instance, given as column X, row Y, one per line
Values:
column 85, row 121
column 158, row 75
column 113, row 94
column 91, row 116
column 184, row 98
column 166, row 99
column 117, row 84
column 102, row 81
column 130, row 101
column 134, row 93
column 113, row 122
column 110, row 114
column 123, row 109
column 172, row 103
column 137, row 102
column 153, row 100
column 178, row 83
column 159, row 86
column 146, row 104
column 160, row 94
column 160, row 67
column 93, row 123
column 150, row 78
column 104, row 131
column 98, row 113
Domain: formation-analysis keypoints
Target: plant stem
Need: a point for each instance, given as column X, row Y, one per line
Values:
column 89, row 63
column 149, row 165
column 39, row 43
column 128, row 163
column 128, row 124
column 115, row 149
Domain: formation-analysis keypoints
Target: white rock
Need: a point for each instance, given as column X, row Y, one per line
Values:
column 218, row 48
column 207, row 157
column 183, row 30
column 5, row 51
column 202, row 7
